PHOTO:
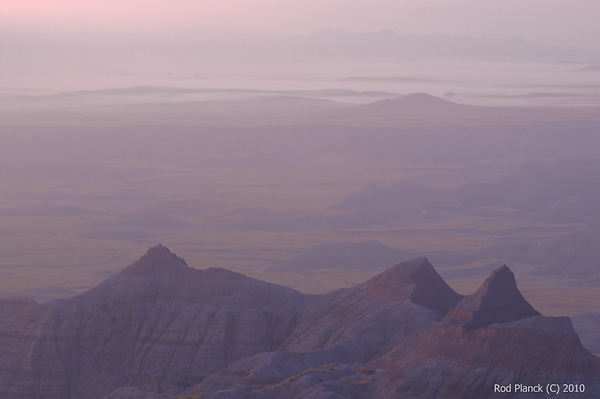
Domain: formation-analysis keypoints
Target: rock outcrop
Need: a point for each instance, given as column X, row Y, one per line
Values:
column 370, row 318
column 498, row 300
column 158, row 325
column 160, row 329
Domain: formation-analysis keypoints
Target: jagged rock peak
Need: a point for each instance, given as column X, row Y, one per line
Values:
column 157, row 260
column 410, row 267
column 431, row 291
column 159, row 250
column 428, row 288
column 400, row 274
column 498, row 300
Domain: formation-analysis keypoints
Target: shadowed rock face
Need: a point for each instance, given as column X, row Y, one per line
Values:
column 431, row 291
column 498, row 300
column 492, row 336
column 368, row 319
column 158, row 325
column 158, row 261
column 424, row 285
column 163, row 330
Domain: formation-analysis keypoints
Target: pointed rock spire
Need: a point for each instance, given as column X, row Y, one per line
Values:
column 418, row 280
column 158, row 260
column 498, row 300
column 431, row 291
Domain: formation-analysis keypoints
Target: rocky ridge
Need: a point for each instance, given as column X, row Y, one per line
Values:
column 160, row 329
column 498, row 300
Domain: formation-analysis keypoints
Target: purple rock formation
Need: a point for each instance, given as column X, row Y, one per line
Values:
column 160, row 329
column 498, row 300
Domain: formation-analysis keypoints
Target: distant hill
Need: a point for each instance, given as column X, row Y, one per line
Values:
column 150, row 105
column 413, row 100
column 574, row 255
column 421, row 109
column 562, row 191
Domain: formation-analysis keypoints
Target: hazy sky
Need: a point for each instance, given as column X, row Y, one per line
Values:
column 559, row 21
column 51, row 43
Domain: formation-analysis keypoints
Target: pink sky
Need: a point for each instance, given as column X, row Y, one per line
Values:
column 50, row 42
column 557, row 20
